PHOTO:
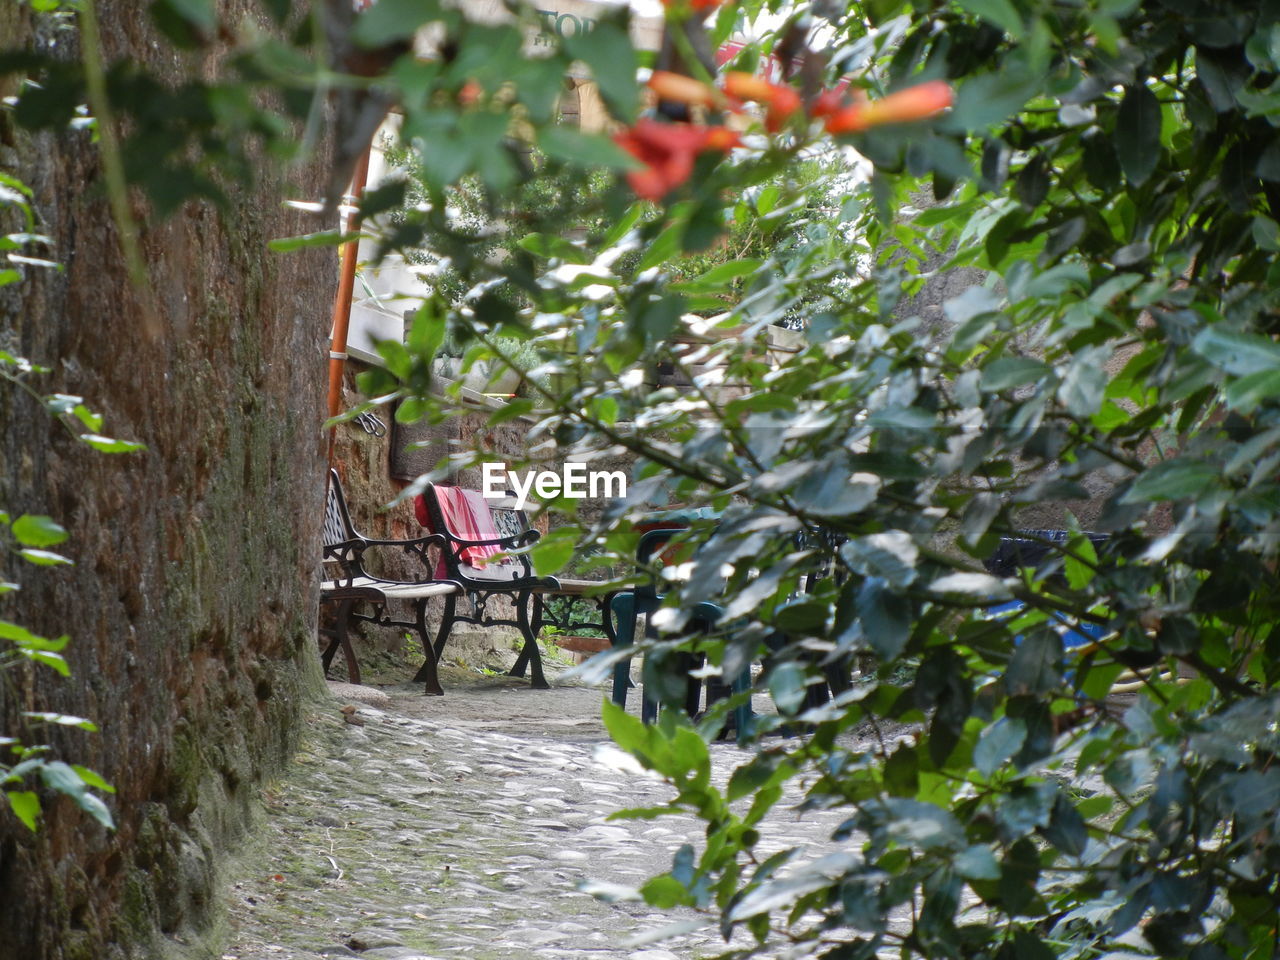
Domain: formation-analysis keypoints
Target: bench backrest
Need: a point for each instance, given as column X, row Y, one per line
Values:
column 337, row 520
column 337, row 563
column 508, row 521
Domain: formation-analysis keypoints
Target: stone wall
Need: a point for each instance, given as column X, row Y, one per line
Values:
column 192, row 602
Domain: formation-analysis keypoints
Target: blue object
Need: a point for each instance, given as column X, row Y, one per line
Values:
column 1075, row 634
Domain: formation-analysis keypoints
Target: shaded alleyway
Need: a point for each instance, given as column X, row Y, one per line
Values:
column 462, row 827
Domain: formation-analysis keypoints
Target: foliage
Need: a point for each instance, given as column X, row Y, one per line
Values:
column 1107, row 169
column 1110, row 167
column 29, row 537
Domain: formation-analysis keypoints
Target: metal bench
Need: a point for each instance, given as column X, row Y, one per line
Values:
column 349, row 585
column 512, row 578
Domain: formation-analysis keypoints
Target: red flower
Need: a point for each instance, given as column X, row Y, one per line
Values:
column 914, row 103
column 668, row 151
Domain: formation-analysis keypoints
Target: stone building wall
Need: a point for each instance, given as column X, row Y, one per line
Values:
column 192, row 602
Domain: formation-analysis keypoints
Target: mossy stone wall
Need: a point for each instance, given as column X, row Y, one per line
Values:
column 192, row 602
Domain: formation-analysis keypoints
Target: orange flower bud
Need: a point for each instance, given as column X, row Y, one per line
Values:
column 914, row 103
column 747, row 86
column 721, row 138
column 678, row 87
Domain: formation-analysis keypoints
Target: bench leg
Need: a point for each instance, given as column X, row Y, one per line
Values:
column 342, row 639
column 522, row 661
column 529, row 654
column 623, row 606
column 428, row 673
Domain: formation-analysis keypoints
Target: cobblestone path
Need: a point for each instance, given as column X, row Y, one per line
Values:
column 461, row 827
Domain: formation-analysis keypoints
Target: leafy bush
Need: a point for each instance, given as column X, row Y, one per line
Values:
column 1107, row 171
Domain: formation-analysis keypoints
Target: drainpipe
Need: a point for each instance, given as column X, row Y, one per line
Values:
column 342, row 303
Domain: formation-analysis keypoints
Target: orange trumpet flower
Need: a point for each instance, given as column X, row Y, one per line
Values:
column 668, row 151
column 678, row 87
column 914, row 103
column 780, row 99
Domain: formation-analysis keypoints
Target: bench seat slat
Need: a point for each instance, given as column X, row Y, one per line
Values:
column 390, row 589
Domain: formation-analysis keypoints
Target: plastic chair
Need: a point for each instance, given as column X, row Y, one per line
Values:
column 626, row 607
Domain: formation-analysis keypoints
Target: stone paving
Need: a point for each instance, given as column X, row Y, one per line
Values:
column 463, row 826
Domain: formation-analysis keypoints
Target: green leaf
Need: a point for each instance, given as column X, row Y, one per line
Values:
column 553, row 551
column 108, row 445
column 43, row 558
column 973, row 302
column 94, row 806
column 761, row 771
column 60, row 777
column 885, row 617
column 390, row 20
column 585, row 149
column 61, row 719
column 91, row 420
column 25, row 806
column 1253, row 389
column 987, row 100
column 548, row 246
column 25, row 638
column 891, row 555
column 627, row 731
column 1238, row 353
column 1000, row 12
column 665, row 891
column 52, row 660
column 1033, row 668
column 787, row 686
column 1137, row 134
column 324, row 238
column 608, row 52
column 977, row 863
column 718, row 276
column 1006, row 372
column 998, row 743
column 1080, row 572
column 61, row 404
column 35, row 530
column 1172, row 480
column 922, row 825
column 981, row 585
column 1084, row 385
column 199, row 13
column 93, row 779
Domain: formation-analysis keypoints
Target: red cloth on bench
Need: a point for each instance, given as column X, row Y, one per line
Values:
column 467, row 517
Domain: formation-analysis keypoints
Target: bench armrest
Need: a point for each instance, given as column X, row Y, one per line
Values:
column 422, row 541
column 351, row 553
